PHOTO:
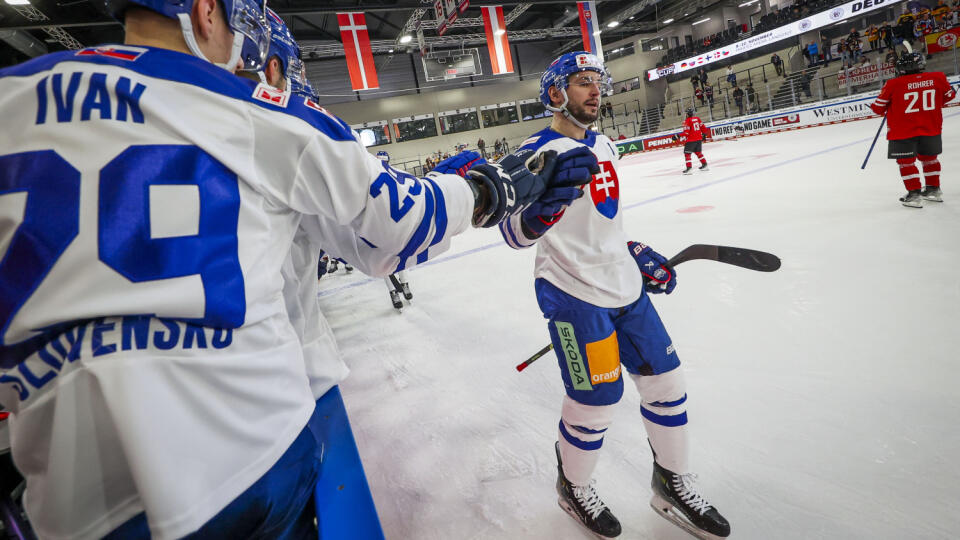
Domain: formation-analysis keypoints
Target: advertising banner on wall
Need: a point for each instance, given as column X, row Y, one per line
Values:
column 795, row 28
column 865, row 75
column 832, row 111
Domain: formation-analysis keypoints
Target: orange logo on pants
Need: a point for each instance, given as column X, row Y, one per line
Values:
column 603, row 359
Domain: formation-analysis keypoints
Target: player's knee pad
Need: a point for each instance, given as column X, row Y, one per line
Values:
column 582, row 425
column 664, row 397
column 906, row 161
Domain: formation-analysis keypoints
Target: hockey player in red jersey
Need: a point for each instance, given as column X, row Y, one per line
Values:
column 694, row 133
column 912, row 103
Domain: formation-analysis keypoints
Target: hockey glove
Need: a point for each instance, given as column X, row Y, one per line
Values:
column 547, row 210
column 459, row 164
column 509, row 186
column 658, row 275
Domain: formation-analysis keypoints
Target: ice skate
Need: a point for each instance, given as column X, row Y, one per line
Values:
column 675, row 497
column 405, row 289
column 347, row 267
column 688, row 171
column 931, row 193
column 397, row 302
column 332, row 265
column 584, row 505
column 912, row 199
column 704, row 167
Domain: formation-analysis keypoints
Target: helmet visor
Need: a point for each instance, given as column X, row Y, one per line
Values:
column 247, row 18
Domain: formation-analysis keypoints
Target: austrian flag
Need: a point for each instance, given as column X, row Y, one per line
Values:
column 497, row 42
column 356, row 45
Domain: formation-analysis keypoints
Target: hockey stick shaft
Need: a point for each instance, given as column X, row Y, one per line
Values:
column 751, row 259
column 875, row 137
column 535, row 357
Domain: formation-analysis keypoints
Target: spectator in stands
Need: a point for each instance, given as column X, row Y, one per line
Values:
column 844, row 49
column 873, row 36
column 506, row 147
column 940, row 14
column 621, row 137
column 708, row 92
column 854, row 34
column 738, row 97
column 886, row 36
column 814, row 53
column 864, row 62
column 623, row 88
column 731, row 76
column 805, row 83
column 497, row 147
column 694, row 80
column 752, row 105
column 777, row 64
column 702, row 72
column 698, row 93
column 904, row 30
column 482, row 146
column 855, row 50
column 805, row 51
column 827, row 52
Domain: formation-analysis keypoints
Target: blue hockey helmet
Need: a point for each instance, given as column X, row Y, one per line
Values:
column 287, row 51
column 559, row 72
column 305, row 90
column 251, row 32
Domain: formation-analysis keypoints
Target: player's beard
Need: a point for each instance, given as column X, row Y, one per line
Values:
column 580, row 113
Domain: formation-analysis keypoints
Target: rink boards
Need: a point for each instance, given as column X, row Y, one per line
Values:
column 827, row 112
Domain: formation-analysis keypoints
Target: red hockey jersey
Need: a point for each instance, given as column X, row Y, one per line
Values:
column 913, row 104
column 694, row 129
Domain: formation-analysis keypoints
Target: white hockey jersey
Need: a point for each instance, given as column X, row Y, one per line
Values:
column 325, row 366
column 147, row 201
column 585, row 253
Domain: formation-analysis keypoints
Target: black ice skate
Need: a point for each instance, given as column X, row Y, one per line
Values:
column 584, row 505
column 688, row 170
column 931, row 193
column 405, row 289
column 912, row 199
column 332, row 265
column 704, row 167
column 676, row 498
column 397, row 302
column 347, row 267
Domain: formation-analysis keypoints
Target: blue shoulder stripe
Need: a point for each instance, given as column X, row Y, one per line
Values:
column 184, row 68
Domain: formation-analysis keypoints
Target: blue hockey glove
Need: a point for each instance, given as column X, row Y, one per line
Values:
column 509, row 186
column 658, row 275
column 459, row 164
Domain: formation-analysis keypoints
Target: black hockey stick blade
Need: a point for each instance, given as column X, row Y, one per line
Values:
column 750, row 259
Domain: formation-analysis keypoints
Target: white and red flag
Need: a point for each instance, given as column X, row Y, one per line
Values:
column 497, row 42
column 356, row 45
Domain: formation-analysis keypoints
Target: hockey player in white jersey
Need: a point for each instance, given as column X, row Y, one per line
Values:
column 283, row 70
column 155, row 382
column 592, row 284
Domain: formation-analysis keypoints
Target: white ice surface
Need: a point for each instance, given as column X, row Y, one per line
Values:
column 823, row 398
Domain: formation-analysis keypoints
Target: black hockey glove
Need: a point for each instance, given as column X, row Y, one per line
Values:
column 509, row 186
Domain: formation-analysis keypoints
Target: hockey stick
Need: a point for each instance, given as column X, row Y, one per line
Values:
column 750, row 259
column 875, row 137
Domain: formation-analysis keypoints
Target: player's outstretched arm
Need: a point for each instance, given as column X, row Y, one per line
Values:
column 510, row 186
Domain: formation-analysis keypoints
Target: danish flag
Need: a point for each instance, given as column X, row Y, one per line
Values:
column 356, row 45
column 497, row 42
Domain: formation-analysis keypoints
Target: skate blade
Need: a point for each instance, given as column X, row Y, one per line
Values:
column 568, row 509
column 917, row 204
column 667, row 511
column 687, row 173
column 934, row 199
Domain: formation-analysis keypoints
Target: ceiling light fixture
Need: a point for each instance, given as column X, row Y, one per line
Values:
column 700, row 21
column 406, row 39
column 668, row 21
column 613, row 24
